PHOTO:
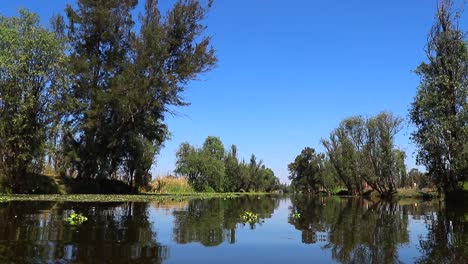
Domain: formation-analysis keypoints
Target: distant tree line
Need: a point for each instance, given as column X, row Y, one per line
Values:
column 88, row 100
column 212, row 168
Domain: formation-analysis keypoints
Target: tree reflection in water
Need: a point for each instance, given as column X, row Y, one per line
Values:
column 213, row 221
column 355, row 230
column 114, row 233
column 447, row 240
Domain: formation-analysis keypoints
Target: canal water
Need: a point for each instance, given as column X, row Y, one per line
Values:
column 299, row 229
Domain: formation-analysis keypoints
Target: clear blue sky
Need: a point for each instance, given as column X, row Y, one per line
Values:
column 289, row 71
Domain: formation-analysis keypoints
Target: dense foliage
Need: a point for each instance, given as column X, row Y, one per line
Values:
column 312, row 172
column 440, row 108
column 96, row 90
column 359, row 152
column 32, row 80
column 125, row 81
column 212, row 168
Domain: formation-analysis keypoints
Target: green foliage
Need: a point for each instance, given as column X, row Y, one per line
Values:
column 211, row 167
column 420, row 179
column 233, row 170
column 76, row 219
column 33, row 76
column 312, row 172
column 124, row 83
column 440, row 107
column 91, row 97
column 249, row 217
column 362, row 151
column 203, row 167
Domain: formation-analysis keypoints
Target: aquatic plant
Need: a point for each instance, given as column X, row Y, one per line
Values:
column 249, row 217
column 76, row 219
column 296, row 215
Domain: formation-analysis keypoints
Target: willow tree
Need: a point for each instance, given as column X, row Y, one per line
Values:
column 362, row 150
column 32, row 77
column 440, row 107
column 344, row 149
column 383, row 163
column 125, row 82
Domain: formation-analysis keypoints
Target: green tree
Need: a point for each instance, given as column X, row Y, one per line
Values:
column 344, row 149
column 363, row 151
column 204, row 167
column 440, row 107
column 126, row 82
column 305, row 171
column 211, row 168
column 33, row 74
column 383, row 163
column 190, row 164
column 233, row 170
column 421, row 180
column 313, row 172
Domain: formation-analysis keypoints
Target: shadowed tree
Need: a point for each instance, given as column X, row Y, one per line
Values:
column 33, row 74
column 125, row 82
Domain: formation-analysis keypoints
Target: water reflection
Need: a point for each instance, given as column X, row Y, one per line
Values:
column 355, row 230
column 447, row 240
column 34, row 232
column 211, row 222
column 343, row 230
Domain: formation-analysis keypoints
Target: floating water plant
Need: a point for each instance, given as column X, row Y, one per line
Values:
column 229, row 196
column 296, row 215
column 76, row 219
column 249, row 217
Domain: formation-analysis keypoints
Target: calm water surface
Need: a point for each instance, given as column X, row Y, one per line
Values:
column 329, row 230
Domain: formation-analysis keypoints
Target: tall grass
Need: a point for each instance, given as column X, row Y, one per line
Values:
column 170, row 184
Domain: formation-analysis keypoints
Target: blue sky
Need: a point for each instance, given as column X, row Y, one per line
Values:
column 289, row 71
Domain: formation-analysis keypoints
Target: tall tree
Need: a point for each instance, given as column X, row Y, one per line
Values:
column 32, row 77
column 233, row 170
column 440, row 108
column 126, row 82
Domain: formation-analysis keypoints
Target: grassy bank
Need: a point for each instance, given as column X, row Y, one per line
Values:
column 118, row 197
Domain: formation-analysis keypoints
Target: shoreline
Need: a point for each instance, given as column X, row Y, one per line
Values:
column 144, row 197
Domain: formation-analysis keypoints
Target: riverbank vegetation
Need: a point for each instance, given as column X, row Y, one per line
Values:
column 82, row 110
column 212, row 168
column 143, row 197
column 359, row 155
